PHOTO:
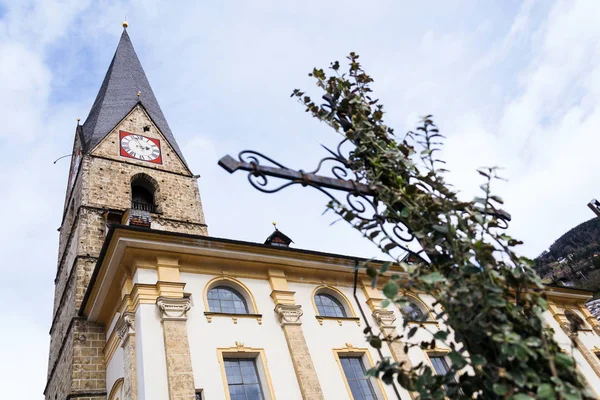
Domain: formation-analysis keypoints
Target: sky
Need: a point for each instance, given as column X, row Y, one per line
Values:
column 512, row 84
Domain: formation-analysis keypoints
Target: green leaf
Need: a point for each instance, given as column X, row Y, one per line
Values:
column 412, row 332
column 533, row 341
column 384, row 267
column 500, row 389
column 497, row 199
column 521, row 352
column 441, row 228
column 476, row 360
column 458, row 360
column 390, row 289
column 545, row 391
column 522, row 396
column 496, row 301
column 441, row 335
column 519, row 379
column 390, row 246
column 432, row 278
column 472, row 269
column 563, row 360
column 374, row 234
column 372, row 272
column 572, row 396
column 375, row 342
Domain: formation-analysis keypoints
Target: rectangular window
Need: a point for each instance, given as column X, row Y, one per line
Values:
column 199, row 395
column 242, row 379
column 440, row 365
column 360, row 385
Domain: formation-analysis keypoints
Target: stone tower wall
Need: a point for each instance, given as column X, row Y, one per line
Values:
column 75, row 362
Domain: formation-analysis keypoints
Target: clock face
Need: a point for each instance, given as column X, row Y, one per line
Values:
column 140, row 147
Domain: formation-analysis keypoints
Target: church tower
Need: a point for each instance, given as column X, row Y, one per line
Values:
column 126, row 169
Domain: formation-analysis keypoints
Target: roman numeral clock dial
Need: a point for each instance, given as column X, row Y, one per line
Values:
column 140, row 147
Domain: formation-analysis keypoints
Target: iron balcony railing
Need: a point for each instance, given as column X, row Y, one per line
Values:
column 136, row 205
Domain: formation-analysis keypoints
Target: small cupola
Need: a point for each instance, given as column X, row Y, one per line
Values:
column 277, row 238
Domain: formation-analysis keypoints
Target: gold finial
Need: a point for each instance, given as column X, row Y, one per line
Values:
column 125, row 24
column 274, row 225
column 139, row 94
column 78, row 119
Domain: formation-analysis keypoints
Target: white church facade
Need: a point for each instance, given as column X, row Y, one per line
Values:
column 148, row 306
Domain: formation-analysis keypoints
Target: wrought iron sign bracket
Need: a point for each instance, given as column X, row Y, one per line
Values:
column 304, row 178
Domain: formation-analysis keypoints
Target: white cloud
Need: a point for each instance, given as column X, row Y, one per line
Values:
column 512, row 87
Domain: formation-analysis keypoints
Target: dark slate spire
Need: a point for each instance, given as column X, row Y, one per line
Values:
column 119, row 94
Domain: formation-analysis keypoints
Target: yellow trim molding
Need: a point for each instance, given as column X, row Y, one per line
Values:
column 143, row 293
column 280, row 291
column 240, row 351
column 234, row 317
column 373, row 295
column 351, row 351
column 339, row 320
column 437, row 352
column 112, row 344
column 115, row 389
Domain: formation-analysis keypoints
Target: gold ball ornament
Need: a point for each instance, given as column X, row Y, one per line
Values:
column 125, row 24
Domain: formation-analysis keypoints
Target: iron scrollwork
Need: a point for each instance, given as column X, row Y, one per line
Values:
column 360, row 200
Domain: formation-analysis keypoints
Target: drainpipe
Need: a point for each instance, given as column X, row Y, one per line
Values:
column 364, row 316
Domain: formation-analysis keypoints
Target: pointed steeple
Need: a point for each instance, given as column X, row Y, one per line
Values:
column 124, row 85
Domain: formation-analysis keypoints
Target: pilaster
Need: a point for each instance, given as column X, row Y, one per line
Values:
column 290, row 319
column 177, row 350
column 385, row 320
column 126, row 332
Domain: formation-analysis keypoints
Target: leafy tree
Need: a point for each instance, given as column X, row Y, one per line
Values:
column 492, row 299
column 575, row 256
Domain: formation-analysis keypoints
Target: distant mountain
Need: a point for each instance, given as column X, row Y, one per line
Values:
column 574, row 258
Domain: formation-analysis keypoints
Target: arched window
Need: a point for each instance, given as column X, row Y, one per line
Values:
column 143, row 189
column 224, row 299
column 413, row 312
column 329, row 306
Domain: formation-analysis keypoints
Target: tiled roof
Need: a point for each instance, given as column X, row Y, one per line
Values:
column 119, row 94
